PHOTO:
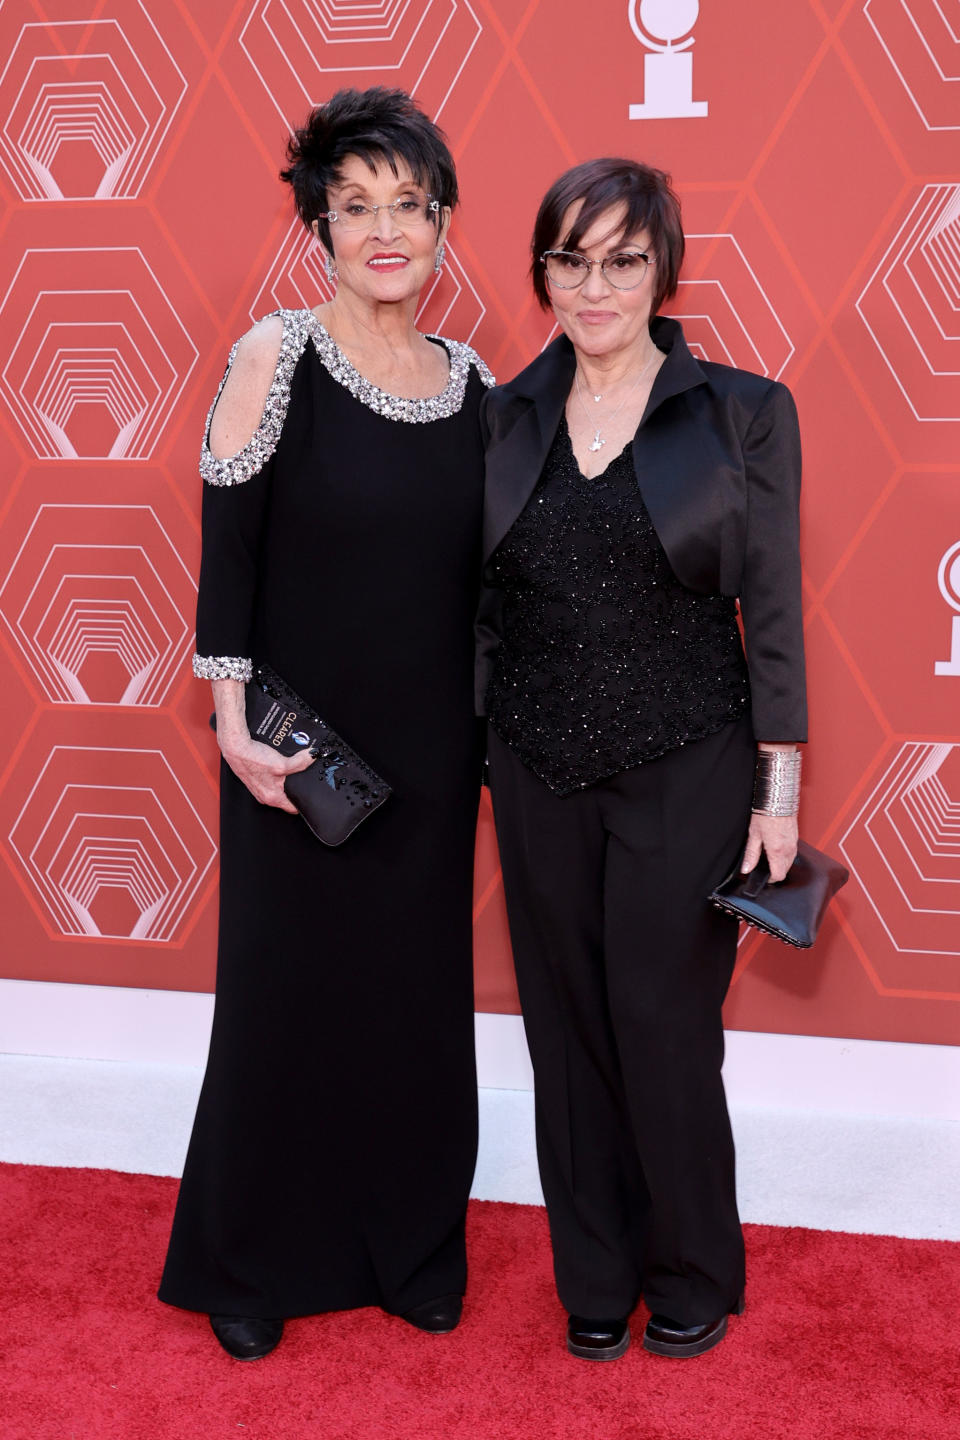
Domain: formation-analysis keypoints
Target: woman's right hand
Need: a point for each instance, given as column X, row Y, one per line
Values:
column 263, row 770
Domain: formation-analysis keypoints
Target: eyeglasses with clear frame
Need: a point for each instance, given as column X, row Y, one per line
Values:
column 568, row 269
column 408, row 213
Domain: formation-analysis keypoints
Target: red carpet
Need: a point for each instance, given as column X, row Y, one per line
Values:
column 845, row 1338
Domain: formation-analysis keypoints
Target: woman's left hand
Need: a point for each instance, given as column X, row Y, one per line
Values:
column 777, row 835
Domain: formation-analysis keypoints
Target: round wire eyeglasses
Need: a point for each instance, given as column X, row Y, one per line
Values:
column 568, row 269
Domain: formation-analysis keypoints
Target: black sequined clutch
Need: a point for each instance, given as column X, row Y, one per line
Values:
column 790, row 909
column 339, row 789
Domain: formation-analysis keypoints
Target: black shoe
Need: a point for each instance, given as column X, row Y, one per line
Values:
column 597, row 1339
column 664, row 1336
column 438, row 1316
column 246, row 1338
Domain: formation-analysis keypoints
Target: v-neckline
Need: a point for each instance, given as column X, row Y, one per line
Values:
column 590, row 479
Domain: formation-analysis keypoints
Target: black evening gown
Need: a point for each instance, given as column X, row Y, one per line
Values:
column 335, row 1138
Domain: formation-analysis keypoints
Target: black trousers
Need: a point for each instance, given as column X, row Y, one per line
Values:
column 622, row 968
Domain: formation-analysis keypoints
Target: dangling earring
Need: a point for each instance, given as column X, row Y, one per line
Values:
column 331, row 269
column 440, row 257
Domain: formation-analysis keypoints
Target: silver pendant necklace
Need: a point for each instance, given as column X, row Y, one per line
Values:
column 597, row 443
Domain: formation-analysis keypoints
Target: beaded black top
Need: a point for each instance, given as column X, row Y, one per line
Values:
column 606, row 659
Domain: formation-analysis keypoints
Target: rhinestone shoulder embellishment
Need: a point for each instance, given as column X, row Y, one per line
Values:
column 223, row 667
column 396, row 407
column 482, row 369
column 235, row 469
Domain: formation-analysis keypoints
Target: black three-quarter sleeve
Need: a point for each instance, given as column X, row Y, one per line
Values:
column 235, row 495
column 232, row 522
column 770, row 595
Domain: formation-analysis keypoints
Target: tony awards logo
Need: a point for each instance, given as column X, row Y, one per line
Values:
column 667, row 66
column 948, row 578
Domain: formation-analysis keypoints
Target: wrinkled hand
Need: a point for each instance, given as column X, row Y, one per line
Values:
column 777, row 835
column 263, row 770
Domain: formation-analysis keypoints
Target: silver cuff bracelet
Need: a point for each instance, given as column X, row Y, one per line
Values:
column 776, row 785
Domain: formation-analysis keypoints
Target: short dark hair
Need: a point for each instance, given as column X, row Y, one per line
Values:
column 378, row 125
column 603, row 185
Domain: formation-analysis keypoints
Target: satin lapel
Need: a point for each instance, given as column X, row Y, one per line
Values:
column 672, row 462
column 681, row 472
column 516, row 458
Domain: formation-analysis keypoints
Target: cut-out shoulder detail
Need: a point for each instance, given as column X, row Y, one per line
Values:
column 239, row 408
column 299, row 326
column 263, row 338
column 235, row 469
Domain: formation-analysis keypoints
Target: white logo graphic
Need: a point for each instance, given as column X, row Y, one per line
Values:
column 911, row 305
column 923, row 45
column 948, row 578
column 667, row 66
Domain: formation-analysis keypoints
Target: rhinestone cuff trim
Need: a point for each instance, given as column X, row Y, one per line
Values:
column 299, row 326
column 223, row 667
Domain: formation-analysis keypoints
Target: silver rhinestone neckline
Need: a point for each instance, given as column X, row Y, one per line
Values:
column 299, row 326
column 397, row 407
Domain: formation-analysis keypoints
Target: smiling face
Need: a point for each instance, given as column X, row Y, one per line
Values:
column 599, row 319
column 386, row 263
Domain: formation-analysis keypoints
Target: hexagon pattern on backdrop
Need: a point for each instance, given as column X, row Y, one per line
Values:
column 144, row 227
column 112, row 843
column 914, row 294
column 100, row 604
column 85, row 101
column 303, row 50
column 923, row 48
column 904, row 847
column 94, row 370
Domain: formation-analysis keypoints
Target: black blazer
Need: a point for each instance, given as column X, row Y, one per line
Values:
column 717, row 457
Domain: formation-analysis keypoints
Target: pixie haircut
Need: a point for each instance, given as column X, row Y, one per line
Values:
column 649, row 204
column 380, row 126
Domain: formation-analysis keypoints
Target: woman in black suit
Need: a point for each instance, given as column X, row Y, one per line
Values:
column 633, row 495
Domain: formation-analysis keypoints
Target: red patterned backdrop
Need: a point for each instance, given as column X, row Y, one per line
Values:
column 816, row 146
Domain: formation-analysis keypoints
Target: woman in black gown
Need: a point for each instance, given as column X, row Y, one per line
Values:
column 335, row 1138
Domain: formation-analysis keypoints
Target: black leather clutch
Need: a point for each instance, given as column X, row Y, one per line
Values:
column 339, row 789
column 792, row 909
